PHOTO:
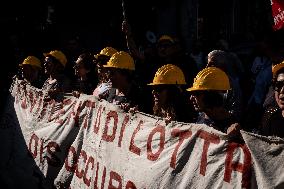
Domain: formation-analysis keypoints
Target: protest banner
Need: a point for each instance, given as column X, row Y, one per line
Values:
column 86, row 143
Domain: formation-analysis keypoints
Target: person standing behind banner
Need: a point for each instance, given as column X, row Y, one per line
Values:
column 104, row 83
column 54, row 64
column 170, row 51
column 30, row 70
column 167, row 50
column 124, row 93
column 168, row 96
column 273, row 119
column 208, row 94
column 234, row 102
column 84, row 71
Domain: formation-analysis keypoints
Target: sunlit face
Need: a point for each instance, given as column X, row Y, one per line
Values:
column 279, row 90
column 197, row 101
column 160, row 95
column 48, row 65
column 29, row 73
column 116, row 78
column 80, row 69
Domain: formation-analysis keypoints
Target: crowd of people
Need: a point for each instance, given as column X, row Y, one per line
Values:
column 165, row 81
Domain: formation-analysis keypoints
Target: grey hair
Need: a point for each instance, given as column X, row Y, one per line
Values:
column 220, row 56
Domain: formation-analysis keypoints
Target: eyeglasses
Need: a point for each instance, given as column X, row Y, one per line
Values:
column 278, row 85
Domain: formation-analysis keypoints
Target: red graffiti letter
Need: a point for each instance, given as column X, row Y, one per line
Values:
column 106, row 137
column 208, row 138
column 114, row 176
column 24, row 104
column 97, row 175
column 182, row 136
column 41, row 150
column 35, row 139
column 154, row 156
column 103, row 178
column 80, row 174
column 130, row 185
column 133, row 148
column 87, row 181
column 244, row 168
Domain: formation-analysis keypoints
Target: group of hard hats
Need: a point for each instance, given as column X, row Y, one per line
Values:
column 210, row 78
column 119, row 59
column 35, row 62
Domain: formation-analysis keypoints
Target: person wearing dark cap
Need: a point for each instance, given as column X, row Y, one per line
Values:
column 54, row 64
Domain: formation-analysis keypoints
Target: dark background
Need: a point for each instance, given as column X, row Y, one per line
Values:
column 33, row 27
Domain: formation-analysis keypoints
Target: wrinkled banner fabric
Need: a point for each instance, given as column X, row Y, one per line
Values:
column 85, row 143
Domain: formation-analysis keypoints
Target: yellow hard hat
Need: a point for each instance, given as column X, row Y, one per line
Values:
column 107, row 51
column 33, row 61
column 169, row 74
column 211, row 78
column 121, row 60
column 166, row 37
column 60, row 56
column 276, row 68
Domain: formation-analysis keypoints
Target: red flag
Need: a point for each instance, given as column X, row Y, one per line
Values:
column 278, row 13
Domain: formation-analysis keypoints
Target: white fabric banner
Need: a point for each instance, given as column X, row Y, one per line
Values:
column 86, row 143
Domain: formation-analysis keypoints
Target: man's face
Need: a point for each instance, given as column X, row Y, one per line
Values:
column 279, row 90
column 29, row 73
column 116, row 78
column 80, row 69
column 160, row 95
column 48, row 65
column 165, row 48
column 197, row 100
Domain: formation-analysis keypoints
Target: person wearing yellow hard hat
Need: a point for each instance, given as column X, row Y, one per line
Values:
column 168, row 95
column 171, row 51
column 124, row 93
column 208, row 94
column 31, row 71
column 104, row 83
column 54, row 64
column 273, row 118
column 166, row 49
column 234, row 100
